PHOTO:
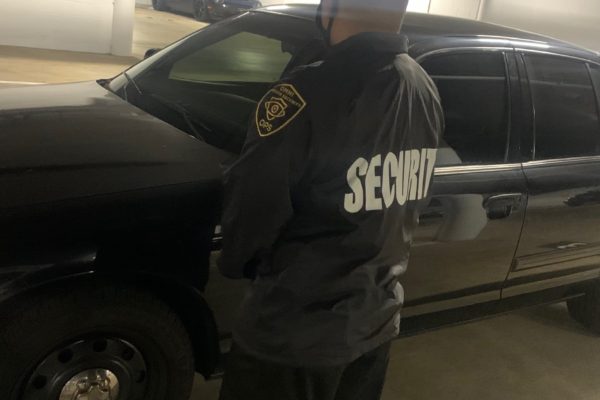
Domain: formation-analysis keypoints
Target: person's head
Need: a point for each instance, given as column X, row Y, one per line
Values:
column 341, row 19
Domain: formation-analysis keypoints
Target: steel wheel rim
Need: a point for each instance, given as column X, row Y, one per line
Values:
column 104, row 368
column 199, row 9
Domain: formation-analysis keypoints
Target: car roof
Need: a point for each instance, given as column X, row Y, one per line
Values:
column 421, row 28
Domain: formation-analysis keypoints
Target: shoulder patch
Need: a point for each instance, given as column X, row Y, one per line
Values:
column 280, row 106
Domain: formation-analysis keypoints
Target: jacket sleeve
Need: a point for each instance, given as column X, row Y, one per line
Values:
column 258, row 186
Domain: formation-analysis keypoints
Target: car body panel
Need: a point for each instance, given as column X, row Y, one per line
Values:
column 82, row 168
column 76, row 140
column 460, row 255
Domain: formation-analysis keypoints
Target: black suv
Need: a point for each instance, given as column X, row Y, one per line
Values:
column 110, row 199
column 207, row 10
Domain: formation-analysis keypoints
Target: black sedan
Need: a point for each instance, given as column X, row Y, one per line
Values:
column 110, row 197
column 207, row 10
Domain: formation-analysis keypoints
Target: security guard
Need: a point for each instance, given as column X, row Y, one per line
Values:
column 320, row 209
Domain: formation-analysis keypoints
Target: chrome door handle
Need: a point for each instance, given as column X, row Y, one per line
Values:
column 503, row 205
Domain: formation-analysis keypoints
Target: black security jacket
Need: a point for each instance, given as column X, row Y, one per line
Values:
column 321, row 206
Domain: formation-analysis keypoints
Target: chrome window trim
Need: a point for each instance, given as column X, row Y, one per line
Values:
column 562, row 161
column 461, row 49
column 468, row 169
column 554, row 54
column 475, row 169
column 446, row 50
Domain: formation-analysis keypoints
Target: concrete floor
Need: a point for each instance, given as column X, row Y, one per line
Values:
column 539, row 353
column 533, row 354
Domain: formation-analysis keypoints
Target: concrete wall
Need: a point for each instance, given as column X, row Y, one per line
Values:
column 98, row 26
column 576, row 21
column 456, row 8
column 418, row 6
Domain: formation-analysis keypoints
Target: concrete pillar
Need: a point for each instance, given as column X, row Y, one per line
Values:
column 96, row 26
column 419, row 6
column 83, row 25
column 122, row 27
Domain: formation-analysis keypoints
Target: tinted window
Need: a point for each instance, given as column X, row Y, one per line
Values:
column 474, row 91
column 566, row 114
column 244, row 57
column 595, row 70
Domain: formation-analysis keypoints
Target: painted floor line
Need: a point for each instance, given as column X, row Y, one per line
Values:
column 19, row 83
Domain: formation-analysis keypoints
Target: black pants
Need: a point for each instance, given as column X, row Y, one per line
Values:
column 247, row 378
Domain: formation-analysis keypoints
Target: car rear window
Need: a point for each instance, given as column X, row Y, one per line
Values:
column 565, row 107
column 595, row 72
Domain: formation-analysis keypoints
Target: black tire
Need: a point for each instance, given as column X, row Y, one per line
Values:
column 586, row 309
column 160, row 5
column 201, row 12
column 576, row 308
column 48, row 339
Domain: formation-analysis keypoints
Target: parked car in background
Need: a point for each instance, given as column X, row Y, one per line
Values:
column 267, row 3
column 207, row 10
column 110, row 199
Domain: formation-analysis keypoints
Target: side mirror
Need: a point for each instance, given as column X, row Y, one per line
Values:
column 151, row 52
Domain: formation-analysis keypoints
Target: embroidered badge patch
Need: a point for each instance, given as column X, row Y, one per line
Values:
column 280, row 106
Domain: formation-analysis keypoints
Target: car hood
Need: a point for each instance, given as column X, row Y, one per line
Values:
column 76, row 140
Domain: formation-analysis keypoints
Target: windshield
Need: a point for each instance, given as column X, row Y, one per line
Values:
column 209, row 83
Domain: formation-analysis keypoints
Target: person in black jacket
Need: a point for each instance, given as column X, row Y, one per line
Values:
column 320, row 209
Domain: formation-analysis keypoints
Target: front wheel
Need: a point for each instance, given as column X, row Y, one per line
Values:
column 106, row 342
column 160, row 5
column 586, row 309
column 201, row 12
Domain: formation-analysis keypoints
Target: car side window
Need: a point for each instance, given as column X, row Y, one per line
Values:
column 243, row 57
column 475, row 96
column 595, row 72
column 565, row 105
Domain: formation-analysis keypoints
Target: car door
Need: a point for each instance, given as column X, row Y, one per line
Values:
column 561, row 235
column 466, row 241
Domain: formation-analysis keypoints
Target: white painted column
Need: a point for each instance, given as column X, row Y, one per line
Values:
column 97, row 26
column 421, row 6
column 122, row 28
column 82, row 25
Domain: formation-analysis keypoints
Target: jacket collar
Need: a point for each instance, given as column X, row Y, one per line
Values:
column 369, row 42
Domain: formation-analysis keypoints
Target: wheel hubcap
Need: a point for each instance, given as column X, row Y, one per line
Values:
column 93, row 384
column 199, row 8
column 97, row 369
